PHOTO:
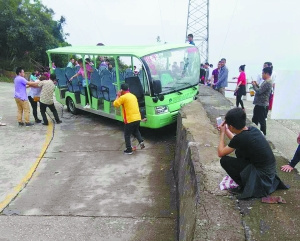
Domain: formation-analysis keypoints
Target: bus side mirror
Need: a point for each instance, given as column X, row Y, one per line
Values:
column 157, row 87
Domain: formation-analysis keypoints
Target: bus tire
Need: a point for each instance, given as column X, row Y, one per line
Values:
column 71, row 106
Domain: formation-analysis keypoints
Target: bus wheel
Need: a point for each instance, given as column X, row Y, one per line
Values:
column 71, row 106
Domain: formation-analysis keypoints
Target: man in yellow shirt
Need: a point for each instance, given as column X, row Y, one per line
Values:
column 131, row 115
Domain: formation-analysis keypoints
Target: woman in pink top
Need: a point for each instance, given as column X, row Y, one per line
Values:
column 241, row 86
column 89, row 70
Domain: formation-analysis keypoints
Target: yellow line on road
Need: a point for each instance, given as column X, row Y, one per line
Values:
column 17, row 189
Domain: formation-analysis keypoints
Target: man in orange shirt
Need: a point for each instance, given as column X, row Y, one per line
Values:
column 131, row 115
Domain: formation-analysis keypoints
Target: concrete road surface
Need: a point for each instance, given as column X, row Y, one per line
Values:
column 84, row 187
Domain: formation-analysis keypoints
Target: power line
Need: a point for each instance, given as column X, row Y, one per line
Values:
column 229, row 25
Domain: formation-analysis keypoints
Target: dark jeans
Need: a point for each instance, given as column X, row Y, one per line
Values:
column 259, row 116
column 234, row 166
column 43, row 108
column 239, row 101
column 132, row 129
column 296, row 158
column 86, row 95
column 34, row 107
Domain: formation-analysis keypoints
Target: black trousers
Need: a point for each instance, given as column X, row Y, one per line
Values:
column 86, row 95
column 43, row 108
column 34, row 107
column 259, row 116
column 234, row 166
column 239, row 101
column 132, row 128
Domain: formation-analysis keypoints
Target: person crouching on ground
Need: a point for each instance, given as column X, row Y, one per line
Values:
column 46, row 98
column 131, row 115
column 254, row 167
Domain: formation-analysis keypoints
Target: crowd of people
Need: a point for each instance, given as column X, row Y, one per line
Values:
column 41, row 92
column 254, row 167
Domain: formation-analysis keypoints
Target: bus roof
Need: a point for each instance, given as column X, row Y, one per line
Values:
column 138, row 51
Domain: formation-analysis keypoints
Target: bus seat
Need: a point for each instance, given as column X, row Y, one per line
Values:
column 61, row 78
column 101, row 68
column 74, row 85
column 95, row 85
column 136, row 88
column 107, row 88
column 128, row 73
column 77, row 68
column 69, row 72
column 104, row 72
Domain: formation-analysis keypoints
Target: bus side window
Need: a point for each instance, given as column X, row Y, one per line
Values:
column 144, row 81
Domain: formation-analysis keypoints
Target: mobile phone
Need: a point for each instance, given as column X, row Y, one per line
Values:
column 219, row 121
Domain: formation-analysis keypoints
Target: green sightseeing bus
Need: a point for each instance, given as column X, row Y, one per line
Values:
column 167, row 79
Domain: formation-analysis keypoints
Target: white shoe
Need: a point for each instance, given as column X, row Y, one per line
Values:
column 87, row 106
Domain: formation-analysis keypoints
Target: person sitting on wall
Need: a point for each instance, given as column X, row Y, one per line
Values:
column 254, row 167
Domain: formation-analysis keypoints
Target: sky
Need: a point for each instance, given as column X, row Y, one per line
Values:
column 244, row 32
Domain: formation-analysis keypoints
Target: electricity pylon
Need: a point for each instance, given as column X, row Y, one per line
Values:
column 198, row 25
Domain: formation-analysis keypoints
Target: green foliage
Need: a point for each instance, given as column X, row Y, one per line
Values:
column 6, row 79
column 27, row 31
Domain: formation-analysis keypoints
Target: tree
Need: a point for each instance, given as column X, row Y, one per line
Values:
column 28, row 30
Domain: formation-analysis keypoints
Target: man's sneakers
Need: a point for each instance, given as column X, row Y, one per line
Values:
column 58, row 122
column 38, row 121
column 21, row 124
column 128, row 151
column 87, row 106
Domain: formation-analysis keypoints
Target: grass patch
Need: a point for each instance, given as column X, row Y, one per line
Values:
column 6, row 79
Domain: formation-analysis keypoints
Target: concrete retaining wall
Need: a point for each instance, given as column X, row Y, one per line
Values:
column 205, row 212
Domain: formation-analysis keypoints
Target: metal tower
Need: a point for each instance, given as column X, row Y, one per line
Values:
column 198, row 25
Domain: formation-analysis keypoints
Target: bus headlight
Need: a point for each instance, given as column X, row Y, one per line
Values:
column 161, row 109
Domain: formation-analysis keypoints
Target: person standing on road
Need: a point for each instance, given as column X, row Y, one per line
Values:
column 240, row 86
column 222, row 78
column 215, row 74
column 46, row 99
column 261, row 99
column 33, row 97
column 21, row 97
column 191, row 39
column 294, row 161
column 131, row 115
column 254, row 167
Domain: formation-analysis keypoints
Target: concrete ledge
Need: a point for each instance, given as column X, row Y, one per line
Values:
column 205, row 212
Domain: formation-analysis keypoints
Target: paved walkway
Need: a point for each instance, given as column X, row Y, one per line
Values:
column 84, row 187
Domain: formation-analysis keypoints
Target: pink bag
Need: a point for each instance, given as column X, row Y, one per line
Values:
column 227, row 183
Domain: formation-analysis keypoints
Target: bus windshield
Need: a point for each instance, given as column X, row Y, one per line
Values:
column 177, row 69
